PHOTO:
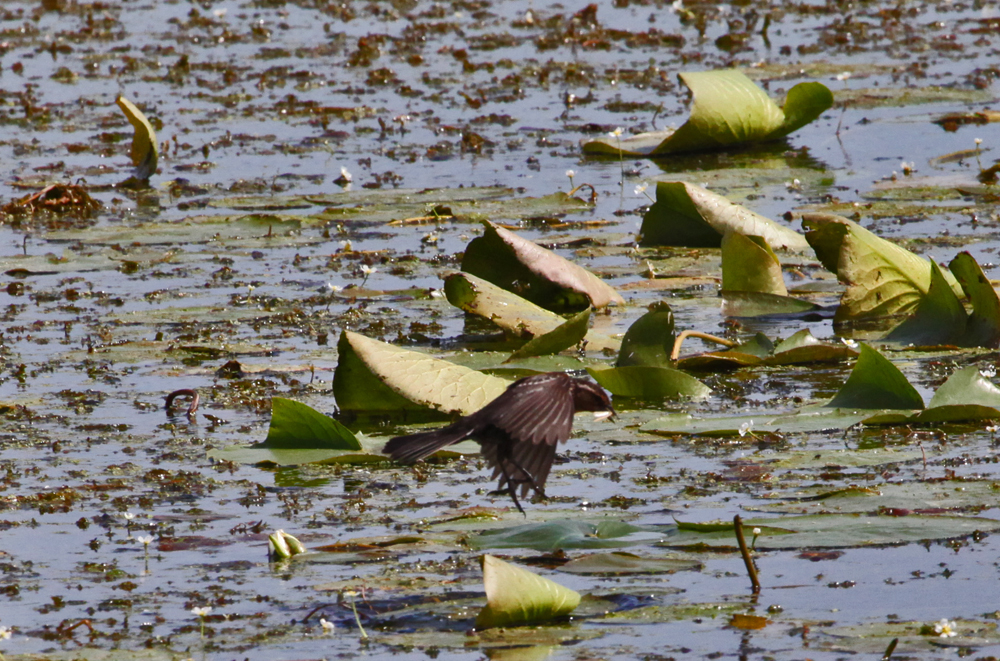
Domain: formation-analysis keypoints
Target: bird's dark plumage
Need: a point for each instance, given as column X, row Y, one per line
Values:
column 518, row 431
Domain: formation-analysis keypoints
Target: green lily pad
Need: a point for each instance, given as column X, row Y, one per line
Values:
column 260, row 455
column 914, row 639
column 749, row 264
column 759, row 345
column 401, row 207
column 262, row 203
column 524, row 643
column 565, row 534
column 802, row 348
column 140, row 351
column 896, row 499
column 966, row 396
column 518, row 317
column 888, row 97
column 650, row 339
column 516, row 596
column 883, row 280
column 876, row 383
column 811, row 419
column 420, row 197
column 983, row 326
column 299, row 434
column 834, row 531
column 619, row 562
column 21, row 266
column 728, row 110
column 749, row 353
column 295, row 425
column 376, row 376
column 647, row 382
column 499, row 363
column 687, row 215
column 758, row 304
column 676, row 612
column 939, row 318
column 967, row 386
column 812, row 459
column 267, row 230
column 568, row 334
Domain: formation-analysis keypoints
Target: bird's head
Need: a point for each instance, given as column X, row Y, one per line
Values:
column 588, row 396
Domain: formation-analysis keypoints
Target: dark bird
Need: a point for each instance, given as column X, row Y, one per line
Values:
column 518, row 431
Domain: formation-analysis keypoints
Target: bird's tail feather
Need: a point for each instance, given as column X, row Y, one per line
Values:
column 414, row 447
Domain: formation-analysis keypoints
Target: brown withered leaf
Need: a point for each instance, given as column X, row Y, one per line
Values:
column 535, row 273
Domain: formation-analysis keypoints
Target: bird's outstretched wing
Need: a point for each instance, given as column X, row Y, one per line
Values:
column 520, row 436
column 518, row 431
column 537, row 409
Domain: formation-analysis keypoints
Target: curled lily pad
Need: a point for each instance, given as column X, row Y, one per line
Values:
column 939, row 318
column 729, row 109
column 876, row 383
column 650, row 338
column 518, row 317
column 883, row 280
column 376, row 376
column 876, row 393
column 516, row 596
column 299, row 434
column 965, row 397
column 535, row 273
column 967, row 386
column 802, row 348
column 749, row 264
column 648, row 382
column 893, row 287
column 687, row 215
column 294, row 424
column 145, row 152
column 983, row 326
column 564, row 336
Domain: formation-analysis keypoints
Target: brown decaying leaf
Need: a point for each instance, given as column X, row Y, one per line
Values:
column 547, row 265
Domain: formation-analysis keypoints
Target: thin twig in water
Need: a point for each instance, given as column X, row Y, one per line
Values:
column 745, row 552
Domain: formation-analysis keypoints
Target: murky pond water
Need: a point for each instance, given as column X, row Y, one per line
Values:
column 228, row 256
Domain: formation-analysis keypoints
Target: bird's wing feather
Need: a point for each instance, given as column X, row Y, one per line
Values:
column 414, row 447
column 538, row 411
column 518, row 431
column 527, row 465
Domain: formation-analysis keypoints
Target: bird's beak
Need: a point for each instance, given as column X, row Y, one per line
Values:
column 604, row 415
